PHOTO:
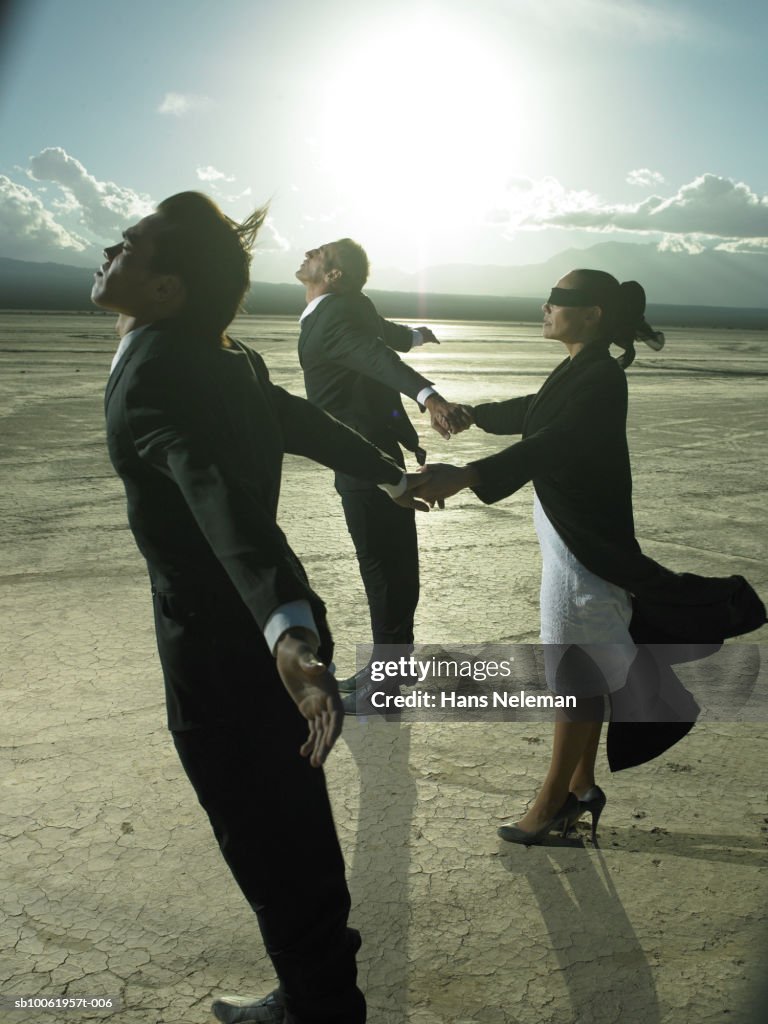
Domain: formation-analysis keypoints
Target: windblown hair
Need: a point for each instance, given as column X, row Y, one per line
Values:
column 352, row 260
column 623, row 304
column 211, row 253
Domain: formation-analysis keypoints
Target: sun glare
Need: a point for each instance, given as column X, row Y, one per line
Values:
column 421, row 120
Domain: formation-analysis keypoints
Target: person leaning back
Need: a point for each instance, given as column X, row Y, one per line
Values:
column 197, row 433
column 351, row 369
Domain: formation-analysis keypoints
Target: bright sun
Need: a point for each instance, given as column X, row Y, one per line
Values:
column 421, row 120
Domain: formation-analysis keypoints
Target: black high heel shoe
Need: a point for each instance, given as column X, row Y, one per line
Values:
column 593, row 802
column 561, row 822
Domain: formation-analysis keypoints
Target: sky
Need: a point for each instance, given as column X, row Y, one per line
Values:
column 492, row 132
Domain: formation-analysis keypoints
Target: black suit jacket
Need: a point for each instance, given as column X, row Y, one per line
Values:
column 574, row 450
column 197, row 434
column 350, row 371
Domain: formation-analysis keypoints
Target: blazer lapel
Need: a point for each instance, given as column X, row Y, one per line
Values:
column 563, row 378
column 130, row 352
column 558, row 375
column 308, row 324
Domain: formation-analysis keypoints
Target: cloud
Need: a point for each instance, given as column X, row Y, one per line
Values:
column 279, row 242
column 212, row 174
column 709, row 206
column 179, row 103
column 755, row 246
column 629, row 19
column 28, row 230
column 102, row 207
column 529, row 203
column 688, row 244
column 237, row 197
column 645, row 177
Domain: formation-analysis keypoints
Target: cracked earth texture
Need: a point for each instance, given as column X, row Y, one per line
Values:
column 111, row 883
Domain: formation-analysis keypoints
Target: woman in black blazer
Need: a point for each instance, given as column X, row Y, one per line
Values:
column 600, row 595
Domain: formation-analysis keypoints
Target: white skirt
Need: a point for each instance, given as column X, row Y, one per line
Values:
column 580, row 608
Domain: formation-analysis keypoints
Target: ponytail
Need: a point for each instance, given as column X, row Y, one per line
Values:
column 623, row 308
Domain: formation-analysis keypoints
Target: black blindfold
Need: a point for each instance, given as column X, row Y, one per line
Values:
column 572, row 297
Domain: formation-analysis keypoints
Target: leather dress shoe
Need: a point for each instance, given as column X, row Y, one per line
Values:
column 249, row 1009
column 352, row 683
column 358, row 702
column 268, row 1010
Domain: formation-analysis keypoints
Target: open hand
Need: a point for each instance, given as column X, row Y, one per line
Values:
column 313, row 690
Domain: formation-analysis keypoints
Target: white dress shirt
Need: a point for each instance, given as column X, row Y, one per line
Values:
column 125, row 342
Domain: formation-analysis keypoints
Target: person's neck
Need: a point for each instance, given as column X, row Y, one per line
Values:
column 314, row 291
column 574, row 347
column 127, row 323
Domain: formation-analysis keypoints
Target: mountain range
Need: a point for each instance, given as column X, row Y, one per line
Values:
column 714, row 288
column 710, row 278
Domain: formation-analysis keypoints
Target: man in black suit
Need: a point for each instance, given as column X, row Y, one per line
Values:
column 351, row 370
column 197, row 433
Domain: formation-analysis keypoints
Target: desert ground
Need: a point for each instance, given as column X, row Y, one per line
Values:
column 111, row 883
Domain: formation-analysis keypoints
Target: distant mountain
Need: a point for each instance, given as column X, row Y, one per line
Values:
column 26, row 285
column 709, row 279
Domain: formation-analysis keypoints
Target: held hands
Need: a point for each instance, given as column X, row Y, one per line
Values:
column 441, row 480
column 313, row 690
column 448, row 417
column 408, row 499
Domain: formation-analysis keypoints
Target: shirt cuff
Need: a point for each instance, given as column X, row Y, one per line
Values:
column 423, row 395
column 395, row 490
column 418, row 338
column 294, row 613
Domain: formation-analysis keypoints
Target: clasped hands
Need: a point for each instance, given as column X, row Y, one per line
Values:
column 448, row 417
column 434, row 483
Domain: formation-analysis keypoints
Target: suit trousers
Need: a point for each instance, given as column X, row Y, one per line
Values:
column 269, row 809
column 384, row 535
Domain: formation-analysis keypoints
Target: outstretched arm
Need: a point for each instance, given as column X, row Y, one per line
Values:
column 594, row 415
column 316, row 435
column 402, row 338
column 502, row 417
column 351, row 338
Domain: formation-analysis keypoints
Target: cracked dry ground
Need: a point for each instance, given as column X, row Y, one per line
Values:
column 111, row 882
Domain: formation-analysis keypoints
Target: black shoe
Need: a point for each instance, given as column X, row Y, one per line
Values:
column 249, row 1009
column 270, row 1009
column 561, row 822
column 360, row 701
column 352, row 683
column 593, row 802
